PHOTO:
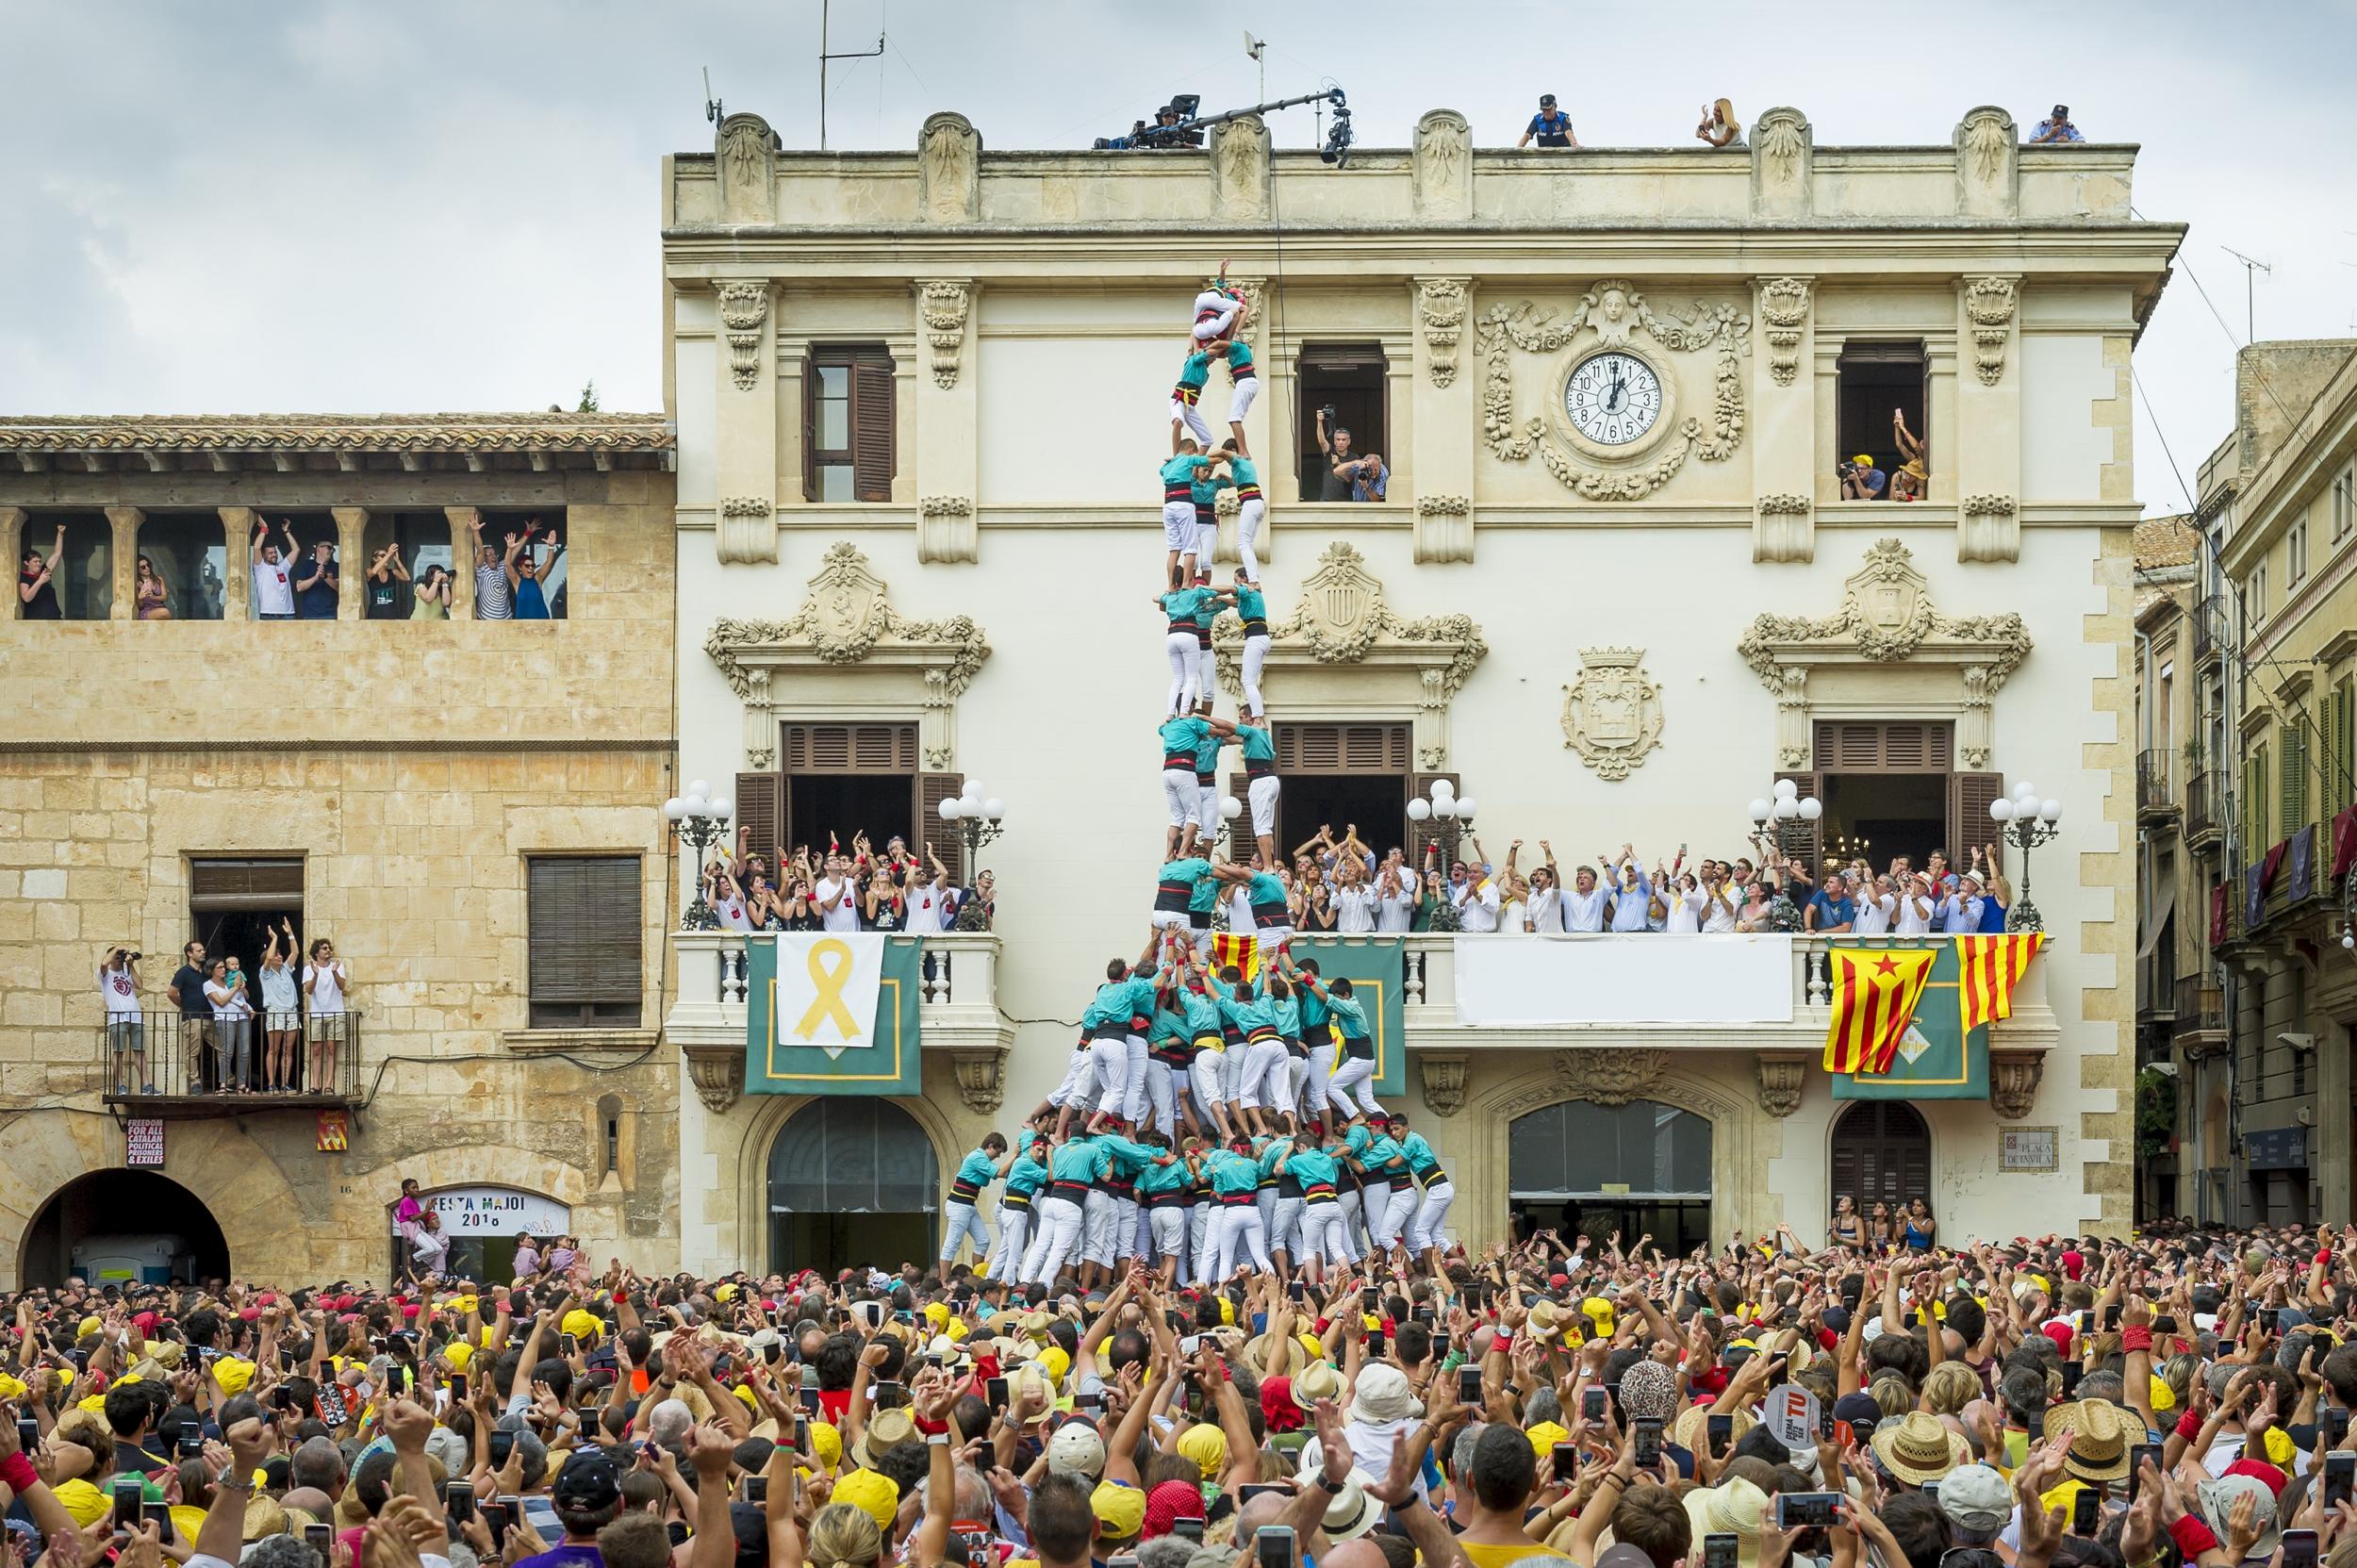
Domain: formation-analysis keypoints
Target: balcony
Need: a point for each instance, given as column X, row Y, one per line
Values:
column 2199, row 1028
column 2210, row 628
column 2205, row 810
column 958, row 1012
column 2156, row 801
column 194, row 1068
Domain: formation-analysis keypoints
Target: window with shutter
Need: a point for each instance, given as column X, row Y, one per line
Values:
column 2343, row 790
column 1882, row 1153
column 947, row 842
column 583, row 954
column 847, row 443
column 844, row 780
column 760, row 813
column 1969, row 795
column 216, row 885
column 1240, row 840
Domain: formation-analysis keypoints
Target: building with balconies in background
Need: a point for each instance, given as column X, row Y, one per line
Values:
column 920, row 398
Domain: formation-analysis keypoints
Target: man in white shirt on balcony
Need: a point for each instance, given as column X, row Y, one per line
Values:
column 1394, row 899
column 931, row 905
column 837, row 897
column 1584, row 901
column 1355, row 898
column 1475, row 897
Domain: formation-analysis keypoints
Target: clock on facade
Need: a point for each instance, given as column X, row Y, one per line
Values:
column 1613, row 398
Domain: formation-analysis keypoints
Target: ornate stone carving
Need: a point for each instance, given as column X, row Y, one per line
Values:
column 2013, row 1081
column 748, row 529
column 1254, row 292
column 1445, row 530
column 982, row 1080
column 1613, row 310
column 947, row 529
column 761, row 731
column 847, row 618
column 1240, row 169
column 1887, row 617
column 948, row 169
column 1441, row 304
column 1343, row 620
column 1782, row 1076
column 719, row 1074
column 743, row 307
column 944, row 302
column 1610, row 1076
column 1444, row 1081
column 1989, row 301
column 1988, row 528
column 1612, row 712
column 1989, row 161
column 744, row 151
column 1783, row 163
column 1782, row 529
column 1443, row 160
column 1782, row 312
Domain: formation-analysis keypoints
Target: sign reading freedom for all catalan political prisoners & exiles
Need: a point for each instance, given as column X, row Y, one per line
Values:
column 831, row 1013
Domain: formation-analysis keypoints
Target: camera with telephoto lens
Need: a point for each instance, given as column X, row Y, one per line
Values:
column 1331, row 413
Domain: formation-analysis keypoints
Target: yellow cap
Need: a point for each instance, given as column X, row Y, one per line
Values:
column 1120, row 1509
column 457, row 1353
column 872, row 1493
column 583, row 1324
column 826, row 1443
column 1544, row 1436
column 936, row 1312
column 1208, row 1446
column 1053, row 1362
column 233, row 1375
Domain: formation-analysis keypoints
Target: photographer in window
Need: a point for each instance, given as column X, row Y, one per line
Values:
column 1860, row 479
column 1345, row 467
column 119, row 989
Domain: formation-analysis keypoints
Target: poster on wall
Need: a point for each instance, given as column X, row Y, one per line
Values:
column 143, row 1142
column 495, row 1211
column 832, row 1015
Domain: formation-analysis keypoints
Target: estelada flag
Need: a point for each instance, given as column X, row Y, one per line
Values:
column 1243, row 951
column 1875, row 993
column 1987, row 969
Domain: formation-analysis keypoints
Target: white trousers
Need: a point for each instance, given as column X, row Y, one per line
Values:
column 1285, row 1230
column 1006, row 1253
column 1355, row 1076
column 1133, row 1079
column 1374, row 1201
column 1203, row 1076
column 1249, row 518
column 1096, row 1227
column 1240, row 397
column 1199, row 1241
column 1206, row 810
column 1258, row 1062
column 1179, row 791
column 1178, row 525
column 1168, row 1227
column 1193, row 416
column 1057, row 1241
column 1185, row 672
column 1264, row 792
column 1206, row 661
column 1347, row 1202
column 1324, row 1234
column 963, row 1222
column 1237, row 1234
column 1206, row 541
column 1162, row 1094
column 1111, row 1054
column 1400, row 1213
column 1078, row 1074
column 1254, row 660
column 1431, row 1216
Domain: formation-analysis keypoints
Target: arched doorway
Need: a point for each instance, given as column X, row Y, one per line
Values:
column 851, row 1182
column 1639, row 1168
column 1882, row 1153
column 123, row 1225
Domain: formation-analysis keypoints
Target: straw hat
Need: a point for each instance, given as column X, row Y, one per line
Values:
column 2099, row 1439
column 1919, row 1448
column 1317, row 1382
column 1256, row 1351
column 1735, row 1509
column 264, row 1516
column 1546, row 1319
column 886, row 1430
column 1693, row 1425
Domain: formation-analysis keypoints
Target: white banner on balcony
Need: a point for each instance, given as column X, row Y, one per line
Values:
column 826, row 990
column 1639, row 977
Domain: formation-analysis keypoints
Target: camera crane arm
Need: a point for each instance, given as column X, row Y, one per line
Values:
column 1331, row 95
column 1181, row 132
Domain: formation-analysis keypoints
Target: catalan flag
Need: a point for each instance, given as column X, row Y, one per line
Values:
column 1875, row 993
column 1988, row 967
column 1241, row 949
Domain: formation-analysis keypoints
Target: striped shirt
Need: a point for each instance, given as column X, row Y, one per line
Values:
column 492, row 601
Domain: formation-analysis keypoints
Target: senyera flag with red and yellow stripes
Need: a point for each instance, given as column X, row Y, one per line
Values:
column 1243, row 950
column 1987, row 969
column 1875, row 993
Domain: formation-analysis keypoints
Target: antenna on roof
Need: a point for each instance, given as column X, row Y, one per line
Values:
column 824, row 58
column 712, row 105
column 2251, row 270
column 1255, row 48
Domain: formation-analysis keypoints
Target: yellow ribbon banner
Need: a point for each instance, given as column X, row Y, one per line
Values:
column 832, row 1014
column 830, row 965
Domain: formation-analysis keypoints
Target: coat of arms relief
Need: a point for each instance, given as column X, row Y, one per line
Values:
column 1612, row 712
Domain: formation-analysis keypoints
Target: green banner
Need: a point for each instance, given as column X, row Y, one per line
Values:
column 1937, row 1061
column 1376, row 967
column 892, row 1065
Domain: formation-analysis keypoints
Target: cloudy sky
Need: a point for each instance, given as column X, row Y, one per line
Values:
column 426, row 203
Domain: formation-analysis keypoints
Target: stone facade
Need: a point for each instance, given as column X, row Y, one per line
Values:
column 1511, row 542
column 412, row 765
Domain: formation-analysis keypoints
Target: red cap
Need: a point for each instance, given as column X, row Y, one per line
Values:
column 2060, row 1334
column 2265, row 1474
column 1169, row 1502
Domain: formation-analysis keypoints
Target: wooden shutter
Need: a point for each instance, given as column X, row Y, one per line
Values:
column 947, row 842
column 1881, row 1154
column 1342, row 747
column 1427, row 831
column 810, row 426
column 268, row 885
column 1878, row 746
column 1810, row 836
column 584, row 938
column 761, row 809
column 871, row 429
column 1240, row 839
column 1969, row 795
column 2295, row 776
column 850, row 748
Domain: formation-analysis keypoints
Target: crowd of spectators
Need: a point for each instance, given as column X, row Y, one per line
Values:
column 1551, row 126
column 856, row 889
column 278, row 1030
column 1344, row 886
column 2176, row 1400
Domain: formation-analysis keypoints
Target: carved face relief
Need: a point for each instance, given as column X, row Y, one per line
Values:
column 1615, row 305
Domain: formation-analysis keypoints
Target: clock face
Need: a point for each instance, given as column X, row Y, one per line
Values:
column 1613, row 398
